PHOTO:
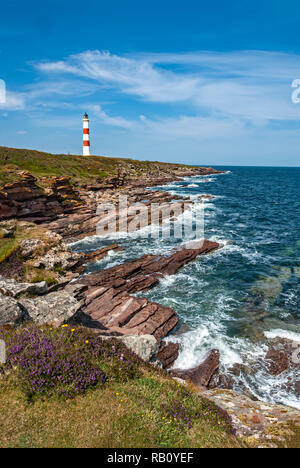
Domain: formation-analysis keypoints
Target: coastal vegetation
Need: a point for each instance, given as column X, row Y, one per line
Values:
column 73, row 389
column 12, row 260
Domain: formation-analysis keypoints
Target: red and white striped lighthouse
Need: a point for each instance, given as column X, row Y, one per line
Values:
column 86, row 136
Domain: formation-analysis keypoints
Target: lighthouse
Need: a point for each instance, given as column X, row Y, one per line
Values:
column 86, row 135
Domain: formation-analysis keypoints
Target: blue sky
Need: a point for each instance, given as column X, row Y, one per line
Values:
column 183, row 81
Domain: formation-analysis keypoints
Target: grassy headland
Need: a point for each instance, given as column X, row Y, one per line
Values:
column 80, row 169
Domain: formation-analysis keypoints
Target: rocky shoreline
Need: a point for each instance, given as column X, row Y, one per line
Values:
column 54, row 216
column 39, row 223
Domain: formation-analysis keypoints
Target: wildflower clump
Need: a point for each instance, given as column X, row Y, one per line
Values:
column 48, row 363
column 65, row 361
column 179, row 415
column 183, row 415
column 220, row 416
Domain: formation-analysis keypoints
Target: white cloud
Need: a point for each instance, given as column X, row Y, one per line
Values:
column 107, row 119
column 203, row 128
column 251, row 85
column 60, row 87
column 201, row 96
column 131, row 76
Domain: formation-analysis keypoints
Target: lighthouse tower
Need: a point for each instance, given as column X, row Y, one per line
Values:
column 86, row 135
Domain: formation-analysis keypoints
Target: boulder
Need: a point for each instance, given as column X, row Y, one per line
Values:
column 53, row 308
column 10, row 287
column 201, row 375
column 278, row 361
column 30, row 247
column 168, row 353
column 280, row 356
column 7, row 228
column 11, row 312
column 225, row 381
column 145, row 346
column 60, row 256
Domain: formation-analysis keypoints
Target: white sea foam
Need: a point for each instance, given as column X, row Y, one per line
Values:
column 196, row 344
column 278, row 333
column 229, row 247
column 87, row 244
column 111, row 255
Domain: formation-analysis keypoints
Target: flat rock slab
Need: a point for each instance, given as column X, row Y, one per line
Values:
column 145, row 272
column 257, row 424
column 54, row 308
column 10, row 287
column 108, row 304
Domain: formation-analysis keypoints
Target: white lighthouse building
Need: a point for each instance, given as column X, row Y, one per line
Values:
column 86, row 136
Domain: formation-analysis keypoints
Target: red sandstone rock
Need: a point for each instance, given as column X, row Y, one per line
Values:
column 25, row 199
column 201, row 375
column 108, row 303
column 168, row 353
column 278, row 361
column 97, row 255
column 146, row 271
column 225, row 381
column 279, row 358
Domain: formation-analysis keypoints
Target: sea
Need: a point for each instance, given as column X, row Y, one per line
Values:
column 244, row 294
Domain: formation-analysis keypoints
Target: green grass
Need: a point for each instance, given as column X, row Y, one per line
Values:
column 101, row 418
column 7, row 248
column 79, row 168
column 126, row 412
